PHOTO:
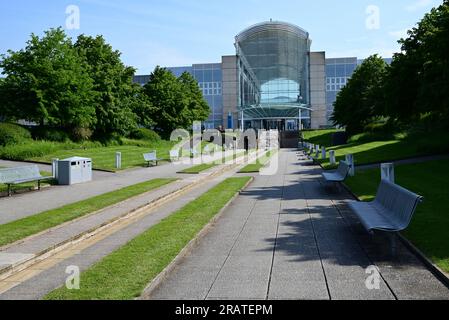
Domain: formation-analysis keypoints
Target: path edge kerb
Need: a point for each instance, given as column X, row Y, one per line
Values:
column 162, row 277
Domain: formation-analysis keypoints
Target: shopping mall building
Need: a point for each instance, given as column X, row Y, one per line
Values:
column 274, row 81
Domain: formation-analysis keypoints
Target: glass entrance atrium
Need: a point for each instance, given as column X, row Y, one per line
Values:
column 274, row 76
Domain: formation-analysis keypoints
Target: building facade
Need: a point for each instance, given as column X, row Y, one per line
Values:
column 273, row 81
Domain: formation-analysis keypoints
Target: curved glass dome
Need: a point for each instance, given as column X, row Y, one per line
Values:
column 276, row 56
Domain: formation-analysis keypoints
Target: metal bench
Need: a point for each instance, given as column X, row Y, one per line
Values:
column 175, row 155
column 339, row 175
column 392, row 210
column 19, row 175
column 151, row 158
column 306, row 153
column 314, row 154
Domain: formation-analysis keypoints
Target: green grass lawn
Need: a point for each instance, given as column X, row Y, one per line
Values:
column 199, row 168
column 125, row 273
column 259, row 163
column 29, row 185
column 429, row 229
column 23, row 228
column 386, row 151
column 104, row 157
column 320, row 137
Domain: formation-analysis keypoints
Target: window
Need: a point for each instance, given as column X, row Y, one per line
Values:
column 340, row 70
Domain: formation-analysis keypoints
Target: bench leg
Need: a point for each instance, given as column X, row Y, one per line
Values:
column 38, row 185
column 9, row 190
column 394, row 244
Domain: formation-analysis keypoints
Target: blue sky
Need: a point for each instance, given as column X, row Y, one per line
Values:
column 182, row 32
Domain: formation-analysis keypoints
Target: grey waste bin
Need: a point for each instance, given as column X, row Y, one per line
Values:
column 74, row 170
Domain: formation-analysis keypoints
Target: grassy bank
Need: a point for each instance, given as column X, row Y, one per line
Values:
column 103, row 156
column 319, row 137
column 23, row 228
column 126, row 272
column 428, row 230
column 398, row 147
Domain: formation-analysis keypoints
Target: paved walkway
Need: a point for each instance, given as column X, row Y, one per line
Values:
column 287, row 237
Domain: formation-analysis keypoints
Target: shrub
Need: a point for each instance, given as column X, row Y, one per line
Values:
column 145, row 134
column 26, row 151
column 38, row 149
column 12, row 134
column 50, row 134
column 81, row 134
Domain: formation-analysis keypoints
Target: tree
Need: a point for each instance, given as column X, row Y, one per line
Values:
column 363, row 97
column 176, row 103
column 114, row 93
column 142, row 107
column 196, row 108
column 419, row 75
column 47, row 83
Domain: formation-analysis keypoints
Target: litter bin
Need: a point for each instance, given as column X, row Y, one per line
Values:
column 74, row 170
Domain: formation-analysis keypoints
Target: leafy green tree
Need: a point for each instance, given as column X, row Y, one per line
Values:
column 113, row 90
column 362, row 99
column 419, row 76
column 142, row 107
column 176, row 103
column 47, row 83
column 196, row 108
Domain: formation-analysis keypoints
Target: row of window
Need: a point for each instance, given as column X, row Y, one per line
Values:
column 211, row 88
column 336, row 83
column 334, row 87
column 337, row 80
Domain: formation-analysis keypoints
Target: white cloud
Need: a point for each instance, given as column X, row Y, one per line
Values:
column 419, row 4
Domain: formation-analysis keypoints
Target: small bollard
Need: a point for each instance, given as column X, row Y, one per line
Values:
column 323, row 153
column 54, row 168
column 332, row 157
column 350, row 161
column 118, row 160
column 387, row 172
